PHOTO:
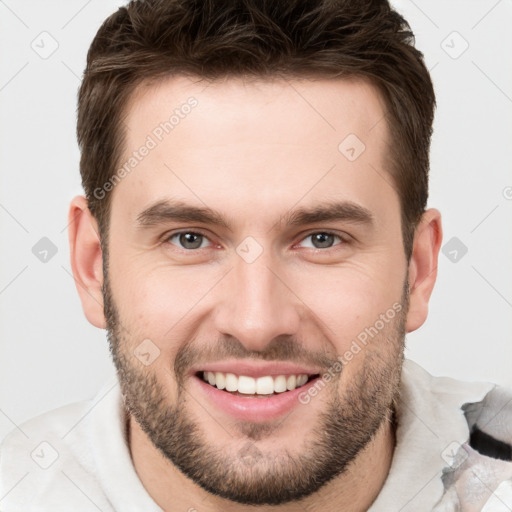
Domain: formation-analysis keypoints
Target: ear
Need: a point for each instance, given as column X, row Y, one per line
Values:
column 423, row 267
column 86, row 260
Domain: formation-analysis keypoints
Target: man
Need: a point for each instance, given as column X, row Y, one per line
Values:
column 255, row 239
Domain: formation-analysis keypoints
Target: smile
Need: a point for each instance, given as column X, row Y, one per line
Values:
column 253, row 392
column 264, row 386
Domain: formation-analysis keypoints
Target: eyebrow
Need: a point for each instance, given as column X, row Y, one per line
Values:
column 332, row 211
column 165, row 211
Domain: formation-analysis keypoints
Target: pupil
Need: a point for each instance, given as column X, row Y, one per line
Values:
column 322, row 237
column 187, row 240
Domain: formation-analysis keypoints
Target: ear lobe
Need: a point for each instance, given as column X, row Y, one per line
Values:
column 423, row 267
column 86, row 260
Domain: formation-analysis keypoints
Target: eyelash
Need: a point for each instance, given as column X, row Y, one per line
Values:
column 344, row 239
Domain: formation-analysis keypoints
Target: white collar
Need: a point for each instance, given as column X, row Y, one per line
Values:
column 431, row 426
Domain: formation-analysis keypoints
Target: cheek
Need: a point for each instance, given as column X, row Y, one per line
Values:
column 157, row 301
column 347, row 301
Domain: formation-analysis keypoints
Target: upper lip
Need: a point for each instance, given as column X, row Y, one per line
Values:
column 254, row 369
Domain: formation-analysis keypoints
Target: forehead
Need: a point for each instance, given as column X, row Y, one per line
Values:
column 265, row 143
column 241, row 105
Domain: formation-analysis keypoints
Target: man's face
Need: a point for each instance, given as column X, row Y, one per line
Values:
column 265, row 295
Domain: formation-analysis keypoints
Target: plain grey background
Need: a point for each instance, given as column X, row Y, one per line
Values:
column 50, row 355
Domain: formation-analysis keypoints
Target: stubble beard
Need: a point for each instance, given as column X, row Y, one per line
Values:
column 248, row 474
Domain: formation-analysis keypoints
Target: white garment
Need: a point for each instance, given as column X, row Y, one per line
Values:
column 77, row 458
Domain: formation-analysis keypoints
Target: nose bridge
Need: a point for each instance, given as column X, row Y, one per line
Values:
column 257, row 306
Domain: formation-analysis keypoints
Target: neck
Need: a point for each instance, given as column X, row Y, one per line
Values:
column 357, row 488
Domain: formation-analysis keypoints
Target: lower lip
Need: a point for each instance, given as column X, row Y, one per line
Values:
column 254, row 409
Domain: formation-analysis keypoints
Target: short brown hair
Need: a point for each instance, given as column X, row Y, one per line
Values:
column 211, row 39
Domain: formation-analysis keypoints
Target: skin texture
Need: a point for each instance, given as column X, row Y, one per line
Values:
column 255, row 151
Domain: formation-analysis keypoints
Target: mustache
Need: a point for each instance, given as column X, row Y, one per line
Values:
column 280, row 348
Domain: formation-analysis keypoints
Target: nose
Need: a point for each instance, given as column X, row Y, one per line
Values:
column 258, row 303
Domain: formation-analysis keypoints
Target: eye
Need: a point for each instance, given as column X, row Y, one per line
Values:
column 188, row 240
column 323, row 239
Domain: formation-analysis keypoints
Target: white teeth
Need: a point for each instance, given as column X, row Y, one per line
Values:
column 301, row 380
column 265, row 386
column 280, row 384
column 231, row 382
column 246, row 385
column 291, row 382
column 220, row 380
column 249, row 386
